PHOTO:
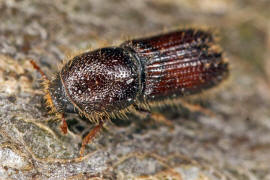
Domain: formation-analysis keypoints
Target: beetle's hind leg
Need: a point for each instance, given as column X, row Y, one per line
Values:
column 195, row 107
column 90, row 136
column 158, row 117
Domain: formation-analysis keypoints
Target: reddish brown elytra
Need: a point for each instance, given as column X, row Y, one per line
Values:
column 111, row 81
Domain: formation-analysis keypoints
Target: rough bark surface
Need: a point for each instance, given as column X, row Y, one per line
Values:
column 232, row 142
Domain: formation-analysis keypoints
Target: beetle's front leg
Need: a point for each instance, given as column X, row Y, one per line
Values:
column 64, row 126
column 90, row 136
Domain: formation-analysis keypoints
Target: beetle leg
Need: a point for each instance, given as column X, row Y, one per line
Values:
column 141, row 112
column 158, row 117
column 90, row 136
column 64, row 126
column 161, row 119
column 196, row 108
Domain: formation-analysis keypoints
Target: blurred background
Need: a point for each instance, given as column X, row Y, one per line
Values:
column 232, row 143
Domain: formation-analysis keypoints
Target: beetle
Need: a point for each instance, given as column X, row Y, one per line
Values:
column 111, row 81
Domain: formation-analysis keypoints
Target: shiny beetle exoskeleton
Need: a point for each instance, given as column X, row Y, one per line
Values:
column 108, row 82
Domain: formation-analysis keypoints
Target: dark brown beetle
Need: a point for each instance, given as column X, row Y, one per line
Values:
column 110, row 81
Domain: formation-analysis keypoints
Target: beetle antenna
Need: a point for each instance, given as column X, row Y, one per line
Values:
column 48, row 97
column 45, row 84
column 36, row 67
